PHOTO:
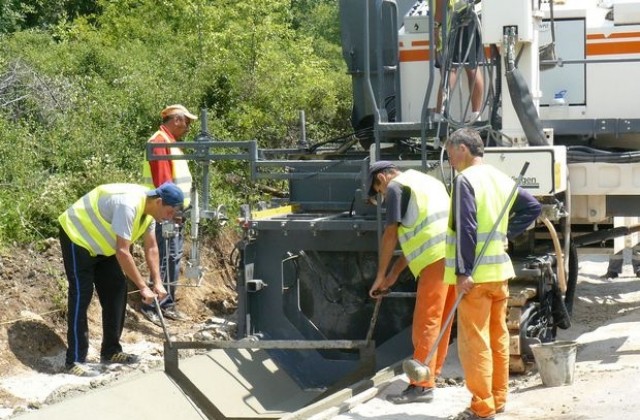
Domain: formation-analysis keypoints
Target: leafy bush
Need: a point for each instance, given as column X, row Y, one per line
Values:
column 81, row 92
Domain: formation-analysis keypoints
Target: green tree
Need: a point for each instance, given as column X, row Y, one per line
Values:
column 80, row 96
column 18, row 15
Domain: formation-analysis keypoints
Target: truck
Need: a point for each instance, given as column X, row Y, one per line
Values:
column 548, row 98
column 306, row 261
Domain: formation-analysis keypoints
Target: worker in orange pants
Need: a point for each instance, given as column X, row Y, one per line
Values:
column 483, row 349
column 417, row 207
column 434, row 301
column 485, row 211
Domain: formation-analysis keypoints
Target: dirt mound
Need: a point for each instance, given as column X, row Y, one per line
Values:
column 32, row 319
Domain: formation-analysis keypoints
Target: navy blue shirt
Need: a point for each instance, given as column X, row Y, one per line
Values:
column 396, row 202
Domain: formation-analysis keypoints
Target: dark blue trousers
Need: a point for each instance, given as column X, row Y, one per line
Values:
column 83, row 273
column 170, row 253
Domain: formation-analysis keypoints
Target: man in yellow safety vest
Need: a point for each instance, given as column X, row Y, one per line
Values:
column 176, row 120
column 479, row 193
column 417, row 208
column 96, row 233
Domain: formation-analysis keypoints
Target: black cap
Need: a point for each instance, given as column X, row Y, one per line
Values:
column 373, row 171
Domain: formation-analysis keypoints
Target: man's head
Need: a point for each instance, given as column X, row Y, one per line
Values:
column 177, row 119
column 464, row 148
column 167, row 201
column 379, row 176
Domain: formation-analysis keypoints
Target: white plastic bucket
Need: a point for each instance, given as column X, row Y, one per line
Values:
column 556, row 362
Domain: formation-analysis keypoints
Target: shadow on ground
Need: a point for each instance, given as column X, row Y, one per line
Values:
column 33, row 343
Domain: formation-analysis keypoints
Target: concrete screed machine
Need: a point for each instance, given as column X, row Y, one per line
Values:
column 559, row 81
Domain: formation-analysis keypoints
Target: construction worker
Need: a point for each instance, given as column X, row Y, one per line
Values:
column 616, row 261
column 96, row 233
column 176, row 120
column 463, row 49
column 417, row 207
column 479, row 194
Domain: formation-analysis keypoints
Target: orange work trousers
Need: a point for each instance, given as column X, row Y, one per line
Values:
column 483, row 346
column 434, row 300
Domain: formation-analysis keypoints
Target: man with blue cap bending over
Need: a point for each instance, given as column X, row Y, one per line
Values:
column 417, row 210
column 96, row 233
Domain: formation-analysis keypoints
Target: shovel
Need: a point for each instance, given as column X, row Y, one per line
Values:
column 164, row 326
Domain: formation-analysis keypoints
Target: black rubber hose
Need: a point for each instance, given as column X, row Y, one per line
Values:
column 559, row 310
column 572, row 278
column 496, row 120
column 525, row 110
column 580, row 154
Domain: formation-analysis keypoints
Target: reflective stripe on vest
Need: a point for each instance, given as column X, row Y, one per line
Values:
column 423, row 241
column 491, row 188
column 86, row 227
column 180, row 173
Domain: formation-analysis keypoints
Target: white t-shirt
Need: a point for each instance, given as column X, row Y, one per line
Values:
column 120, row 210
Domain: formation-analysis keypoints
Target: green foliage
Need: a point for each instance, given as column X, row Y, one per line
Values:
column 16, row 15
column 81, row 91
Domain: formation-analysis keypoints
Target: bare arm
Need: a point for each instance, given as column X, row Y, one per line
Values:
column 128, row 265
column 151, row 255
column 398, row 267
column 389, row 242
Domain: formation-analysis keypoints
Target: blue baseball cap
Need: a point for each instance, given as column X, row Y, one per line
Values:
column 170, row 194
column 376, row 167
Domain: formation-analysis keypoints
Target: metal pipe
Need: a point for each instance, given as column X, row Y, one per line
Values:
column 271, row 344
column 427, row 94
column 205, row 170
column 161, row 317
column 367, row 72
column 302, row 143
column 382, row 111
column 560, row 62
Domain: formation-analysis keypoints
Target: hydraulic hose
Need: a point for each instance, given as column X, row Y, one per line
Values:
column 585, row 154
column 562, row 280
column 463, row 54
column 521, row 97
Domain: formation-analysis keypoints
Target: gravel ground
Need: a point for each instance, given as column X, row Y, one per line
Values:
column 606, row 326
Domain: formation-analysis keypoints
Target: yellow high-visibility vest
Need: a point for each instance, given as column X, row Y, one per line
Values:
column 86, row 227
column 179, row 169
column 492, row 189
column 422, row 236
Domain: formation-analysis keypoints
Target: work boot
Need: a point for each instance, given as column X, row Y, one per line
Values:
column 172, row 313
column 412, row 394
column 81, row 369
column 121, row 357
column 610, row 275
column 467, row 414
column 151, row 315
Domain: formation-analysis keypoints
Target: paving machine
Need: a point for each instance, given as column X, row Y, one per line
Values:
column 557, row 91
